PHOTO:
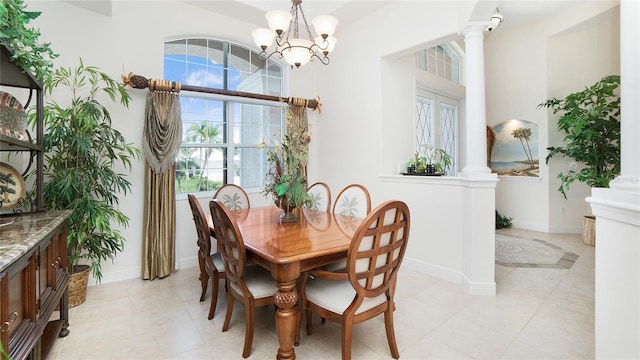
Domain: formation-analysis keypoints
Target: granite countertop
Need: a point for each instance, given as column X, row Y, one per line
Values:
column 26, row 231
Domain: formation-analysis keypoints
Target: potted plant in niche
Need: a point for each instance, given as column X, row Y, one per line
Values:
column 286, row 179
column 590, row 120
column 430, row 160
column 82, row 155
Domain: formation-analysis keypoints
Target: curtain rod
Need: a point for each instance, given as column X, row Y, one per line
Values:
column 140, row 82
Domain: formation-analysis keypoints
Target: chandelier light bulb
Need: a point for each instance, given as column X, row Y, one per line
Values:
column 325, row 25
column 278, row 20
column 263, row 37
column 326, row 45
column 298, row 52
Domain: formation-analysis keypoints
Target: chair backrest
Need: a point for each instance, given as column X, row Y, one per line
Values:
column 320, row 196
column 230, row 243
column 377, row 249
column 202, row 227
column 233, row 196
column 353, row 200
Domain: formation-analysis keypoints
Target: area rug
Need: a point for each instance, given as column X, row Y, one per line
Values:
column 515, row 251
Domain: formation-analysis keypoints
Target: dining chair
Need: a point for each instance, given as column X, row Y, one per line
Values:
column 353, row 200
column 252, row 286
column 320, row 196
column 233, row 196
column 367, row 288
column 211, row 266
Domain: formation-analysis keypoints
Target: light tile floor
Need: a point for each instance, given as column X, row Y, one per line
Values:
column 538, row 313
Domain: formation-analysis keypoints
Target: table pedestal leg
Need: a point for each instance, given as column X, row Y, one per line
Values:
column 286, row 319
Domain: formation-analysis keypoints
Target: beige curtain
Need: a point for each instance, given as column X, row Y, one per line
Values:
column 161, row 142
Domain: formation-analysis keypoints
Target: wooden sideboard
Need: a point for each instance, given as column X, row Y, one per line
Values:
column 34, row 277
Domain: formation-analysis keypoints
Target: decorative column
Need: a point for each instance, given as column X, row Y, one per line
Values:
column 476, row 114
column 478, row 254
column 617, row 211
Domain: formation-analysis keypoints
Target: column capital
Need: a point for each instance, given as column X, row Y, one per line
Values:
column 475, row 28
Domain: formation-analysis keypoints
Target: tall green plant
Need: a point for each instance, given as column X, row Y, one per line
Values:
column 29, row 54
column 590, row 120
column 82, row 151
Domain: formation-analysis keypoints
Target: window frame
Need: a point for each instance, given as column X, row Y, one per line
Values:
column 227, row 145
column 440, row 87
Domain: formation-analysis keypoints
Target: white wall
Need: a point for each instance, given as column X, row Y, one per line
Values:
column 365, row 127
column 348, row 139
column 131, row 40
column 526, row 65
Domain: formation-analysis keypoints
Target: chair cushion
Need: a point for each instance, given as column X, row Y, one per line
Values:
column 339, row 266
column 216, row 258
column 337, row 295
column 259, row 282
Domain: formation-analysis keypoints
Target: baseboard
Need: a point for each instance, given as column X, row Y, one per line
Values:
column 135, row 273
column 479, row 288
column 433, row 270
column 472, row 288
column 187, row 262
column 550, row 229
column 110, row 277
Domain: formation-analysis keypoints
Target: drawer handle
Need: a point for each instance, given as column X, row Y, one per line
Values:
column 4, row 327
column 13, row 316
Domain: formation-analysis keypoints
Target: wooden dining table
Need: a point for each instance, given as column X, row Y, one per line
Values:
column 316, row 238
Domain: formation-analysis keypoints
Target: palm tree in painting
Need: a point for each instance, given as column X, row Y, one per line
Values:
column 524, row 134
column 5, row 188
column 204, row 133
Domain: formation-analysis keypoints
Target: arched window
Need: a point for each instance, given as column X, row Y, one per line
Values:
column 221, row 133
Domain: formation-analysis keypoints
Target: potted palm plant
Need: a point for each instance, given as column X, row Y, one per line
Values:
column 590, row 120
column 82, row 152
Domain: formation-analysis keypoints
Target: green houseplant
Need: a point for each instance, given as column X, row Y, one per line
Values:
column 430, row 160
column 590, row 120
column 28, row 53
column 82, row 151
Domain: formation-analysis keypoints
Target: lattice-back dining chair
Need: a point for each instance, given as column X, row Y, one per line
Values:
column 353, row 200
column 210, row 262
column 233, row 196
column 252, row 286
column 320, row 196
column 367, row 288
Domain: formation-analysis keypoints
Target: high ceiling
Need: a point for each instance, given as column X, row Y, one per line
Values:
column 252, row 11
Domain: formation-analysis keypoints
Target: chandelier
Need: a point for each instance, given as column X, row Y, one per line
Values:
column 294, row 42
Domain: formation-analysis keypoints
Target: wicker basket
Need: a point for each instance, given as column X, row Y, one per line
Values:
column 78, row 285
column 589, row 230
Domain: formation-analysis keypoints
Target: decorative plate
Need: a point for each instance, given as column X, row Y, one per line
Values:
column 13, row 118
column 12, row 187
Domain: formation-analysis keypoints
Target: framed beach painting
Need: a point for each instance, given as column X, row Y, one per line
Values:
column 516, row 149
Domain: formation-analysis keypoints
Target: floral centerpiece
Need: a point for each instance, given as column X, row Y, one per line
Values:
column 286, row 180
